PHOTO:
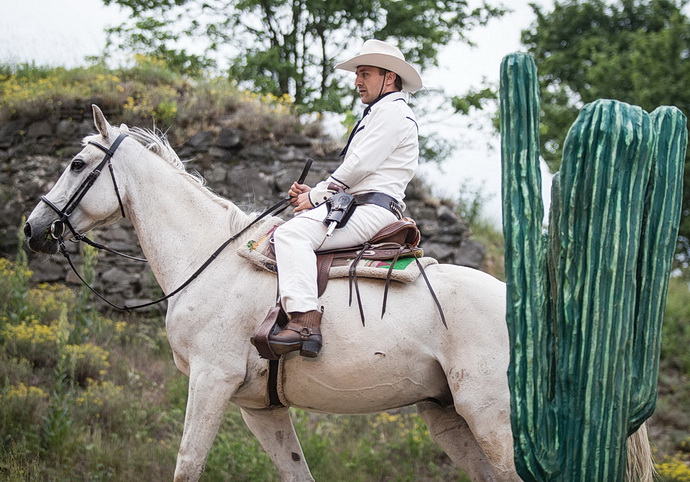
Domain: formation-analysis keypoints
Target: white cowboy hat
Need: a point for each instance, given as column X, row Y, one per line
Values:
column 381, row 54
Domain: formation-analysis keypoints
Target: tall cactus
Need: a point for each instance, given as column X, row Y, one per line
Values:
column 585, row 302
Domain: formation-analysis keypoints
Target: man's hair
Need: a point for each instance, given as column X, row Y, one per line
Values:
column 398, row 79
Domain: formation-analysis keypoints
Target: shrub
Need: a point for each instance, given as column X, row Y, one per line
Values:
column 86, row 362
column 100, row 403
column 49, row 301
column 22, row 401
column 676, row 328
column 14, row 283
column 34, row 341
column 148, row 91
column 673, row 469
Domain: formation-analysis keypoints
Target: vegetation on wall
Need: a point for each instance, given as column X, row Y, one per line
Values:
column 147, row 92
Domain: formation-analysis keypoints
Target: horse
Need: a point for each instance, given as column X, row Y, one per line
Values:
column 456, row 376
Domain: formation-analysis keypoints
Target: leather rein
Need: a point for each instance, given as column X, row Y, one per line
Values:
column 57, row 228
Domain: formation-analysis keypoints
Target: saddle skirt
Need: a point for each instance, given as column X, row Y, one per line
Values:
column 392, row 254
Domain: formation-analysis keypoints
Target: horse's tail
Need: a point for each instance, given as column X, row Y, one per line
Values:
column 640, row 463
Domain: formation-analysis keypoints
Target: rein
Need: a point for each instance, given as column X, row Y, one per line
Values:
column 57, row 228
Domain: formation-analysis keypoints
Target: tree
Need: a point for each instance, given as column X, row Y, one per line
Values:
column 289, row 47
column 635, row 51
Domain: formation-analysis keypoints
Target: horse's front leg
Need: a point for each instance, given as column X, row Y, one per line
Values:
column 210, row 390
column 274, row 430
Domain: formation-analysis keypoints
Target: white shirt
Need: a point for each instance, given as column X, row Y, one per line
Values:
column 383, row 155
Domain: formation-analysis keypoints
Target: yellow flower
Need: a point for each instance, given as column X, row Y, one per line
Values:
column 24, row 392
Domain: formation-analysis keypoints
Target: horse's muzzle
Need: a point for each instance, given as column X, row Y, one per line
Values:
column 43, row 240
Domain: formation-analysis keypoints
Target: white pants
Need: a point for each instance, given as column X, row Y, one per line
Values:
column 297, row 239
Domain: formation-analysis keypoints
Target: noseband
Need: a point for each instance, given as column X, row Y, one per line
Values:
column 57, row 229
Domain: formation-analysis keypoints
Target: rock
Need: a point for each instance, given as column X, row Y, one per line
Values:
column 471, row 254
column 40, row 129
column 11, row 133
column 67, row 128
column 115, row 276
column 229, row 138
column 200, row 139
column 297, row 140
column 446, row 215
column 218, row 153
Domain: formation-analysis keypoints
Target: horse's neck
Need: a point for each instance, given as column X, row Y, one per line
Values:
column 179, row 223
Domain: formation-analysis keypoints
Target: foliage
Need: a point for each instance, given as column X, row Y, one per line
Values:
column 635, row 51
column 149, row 90
column 674, row 353
column 673, row 468
column 290, row 47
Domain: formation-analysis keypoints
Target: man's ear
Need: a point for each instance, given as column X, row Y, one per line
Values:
column 390, row 78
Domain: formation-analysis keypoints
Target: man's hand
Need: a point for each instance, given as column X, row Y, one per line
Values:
column 299, row 197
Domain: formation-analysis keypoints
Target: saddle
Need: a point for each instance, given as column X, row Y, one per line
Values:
column 392, row 254
column 399, row 240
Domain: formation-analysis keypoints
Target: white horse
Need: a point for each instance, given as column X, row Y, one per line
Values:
column 455, row 376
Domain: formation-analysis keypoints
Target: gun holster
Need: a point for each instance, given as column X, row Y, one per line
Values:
column 340, row 208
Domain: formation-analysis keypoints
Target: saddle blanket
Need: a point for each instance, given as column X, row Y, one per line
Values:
column 259, row 250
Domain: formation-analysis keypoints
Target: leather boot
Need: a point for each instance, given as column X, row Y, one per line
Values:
column 303, row 333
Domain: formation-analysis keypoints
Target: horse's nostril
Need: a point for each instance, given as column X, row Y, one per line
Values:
column 27, row 230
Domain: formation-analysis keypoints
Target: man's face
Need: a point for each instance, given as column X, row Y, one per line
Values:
column 369, row 83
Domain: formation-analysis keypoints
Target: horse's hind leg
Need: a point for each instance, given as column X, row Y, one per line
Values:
column 482, row 398
column 274, row 430
column 451, row 432
column 209, row 394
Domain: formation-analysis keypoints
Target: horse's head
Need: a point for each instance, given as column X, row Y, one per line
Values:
column 82, row 198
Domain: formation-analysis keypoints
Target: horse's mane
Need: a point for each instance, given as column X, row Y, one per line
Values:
column 156, row 142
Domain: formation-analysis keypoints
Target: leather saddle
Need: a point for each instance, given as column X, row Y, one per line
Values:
column 399, row 239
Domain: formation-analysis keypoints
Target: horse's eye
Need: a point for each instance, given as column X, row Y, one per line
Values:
column 77, row 165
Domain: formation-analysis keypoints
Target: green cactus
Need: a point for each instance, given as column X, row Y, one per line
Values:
column 585, row 302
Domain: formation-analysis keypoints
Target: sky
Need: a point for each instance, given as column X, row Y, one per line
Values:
column 63, row 32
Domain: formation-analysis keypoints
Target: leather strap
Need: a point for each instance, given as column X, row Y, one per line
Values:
column 433, row 294
column 381, row 199
column 274, row 400
column 275, row 317
column 323, row 266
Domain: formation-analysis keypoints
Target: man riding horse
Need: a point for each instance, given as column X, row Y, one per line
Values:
column 379, row 160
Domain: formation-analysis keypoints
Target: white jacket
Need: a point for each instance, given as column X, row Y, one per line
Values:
column 383, row 154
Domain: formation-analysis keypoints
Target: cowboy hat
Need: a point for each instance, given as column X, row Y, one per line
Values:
column 381, row 54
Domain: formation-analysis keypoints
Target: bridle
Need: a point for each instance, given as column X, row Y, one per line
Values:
column 57, row 228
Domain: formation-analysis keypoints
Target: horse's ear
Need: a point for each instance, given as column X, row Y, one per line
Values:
column 99, row 120
column 124, row 128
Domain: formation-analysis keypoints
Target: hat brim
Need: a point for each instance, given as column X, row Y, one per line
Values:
column 411, row 79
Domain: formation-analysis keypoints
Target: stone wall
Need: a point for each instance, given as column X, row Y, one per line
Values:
column 253, row 175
